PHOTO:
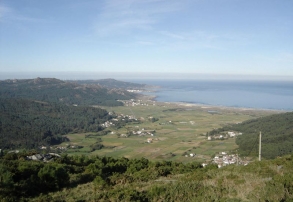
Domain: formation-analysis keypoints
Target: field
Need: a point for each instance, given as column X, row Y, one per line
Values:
column 179, row 131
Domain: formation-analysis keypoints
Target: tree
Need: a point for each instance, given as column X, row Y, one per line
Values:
column 99, row 183
column 53, row 176
column 6, row 180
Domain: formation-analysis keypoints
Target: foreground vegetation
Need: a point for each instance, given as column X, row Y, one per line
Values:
column 82, row 178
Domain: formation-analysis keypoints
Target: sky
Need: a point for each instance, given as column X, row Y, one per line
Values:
column 147, row 37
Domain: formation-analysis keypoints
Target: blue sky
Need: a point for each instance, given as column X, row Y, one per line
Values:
column 234, row 37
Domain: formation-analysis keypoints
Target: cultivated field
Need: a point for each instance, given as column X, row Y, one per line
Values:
column 180, row 131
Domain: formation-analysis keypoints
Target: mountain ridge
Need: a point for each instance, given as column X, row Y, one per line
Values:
column 55, row 90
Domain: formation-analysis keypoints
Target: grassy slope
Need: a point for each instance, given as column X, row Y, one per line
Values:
column 259, row 181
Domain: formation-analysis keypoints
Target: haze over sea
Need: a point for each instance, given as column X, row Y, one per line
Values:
column 277, row 95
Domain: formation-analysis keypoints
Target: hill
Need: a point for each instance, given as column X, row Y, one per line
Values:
column 277, row 135
column 112, row 83
column 54, row 90
column 29, row 124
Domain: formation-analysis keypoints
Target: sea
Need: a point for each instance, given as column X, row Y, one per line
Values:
column 274, row 95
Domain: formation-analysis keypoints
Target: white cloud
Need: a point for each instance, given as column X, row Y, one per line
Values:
column 147, row 20
column 125, row 16
column 8, row 14
column 195, row 40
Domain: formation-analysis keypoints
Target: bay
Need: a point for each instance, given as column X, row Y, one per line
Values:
column 276, row 95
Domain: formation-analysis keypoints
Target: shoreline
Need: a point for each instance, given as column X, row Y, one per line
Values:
column 207, row 106
column 210, row 95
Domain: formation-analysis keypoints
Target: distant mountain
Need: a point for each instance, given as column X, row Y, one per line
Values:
column 54, row 90
column 277, row 135
column 112, row 83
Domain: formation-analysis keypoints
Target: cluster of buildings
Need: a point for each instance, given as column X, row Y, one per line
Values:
column 134, row 91
column 190, row 155
column 224, row 159
column 123, row 117
column 229, row 134
column 60, row 147
column 119, row 117
column 133, row 102
column 143, row 132
column 107, row 124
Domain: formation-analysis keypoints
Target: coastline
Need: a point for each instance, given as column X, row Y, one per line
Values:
column 147, row 94
column 246, row 95
column 208, row 106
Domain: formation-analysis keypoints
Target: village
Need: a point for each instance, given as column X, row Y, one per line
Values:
column 133, row 102
column 221, row 159
column 223, row 136
column 224, row 159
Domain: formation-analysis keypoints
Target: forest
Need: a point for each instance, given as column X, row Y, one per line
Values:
column 54, row 90
column 95, row 178
column 30, row 124
column 277, row 135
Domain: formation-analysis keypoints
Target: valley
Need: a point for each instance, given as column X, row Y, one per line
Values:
column 177, row 130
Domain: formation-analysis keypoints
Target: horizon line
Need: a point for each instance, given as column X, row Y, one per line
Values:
column 89, row 75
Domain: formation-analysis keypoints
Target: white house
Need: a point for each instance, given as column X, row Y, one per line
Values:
column 231, row 134
column 150, row 140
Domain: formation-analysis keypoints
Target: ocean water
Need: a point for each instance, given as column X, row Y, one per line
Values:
column 249, row 94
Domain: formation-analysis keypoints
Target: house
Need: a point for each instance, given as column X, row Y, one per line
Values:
column 150, row 140
column 123, row 135
column 37, row 157
column 231, row 134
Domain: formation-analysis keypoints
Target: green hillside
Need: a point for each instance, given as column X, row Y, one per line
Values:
column 95, row 178
column 28, row 124
column 54, row 90
column 277, row 135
